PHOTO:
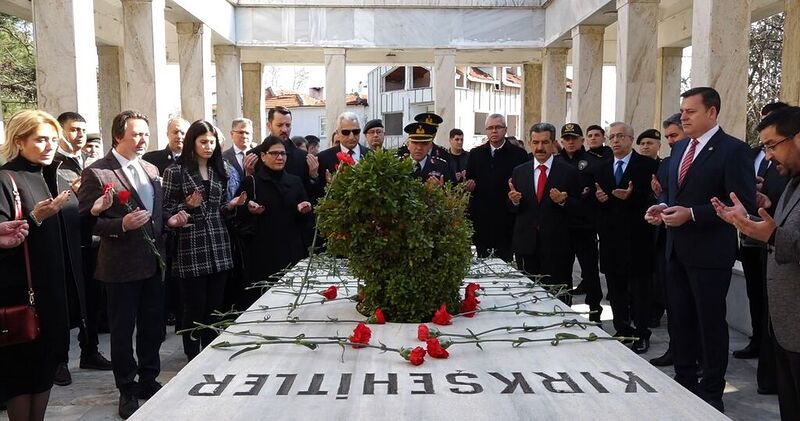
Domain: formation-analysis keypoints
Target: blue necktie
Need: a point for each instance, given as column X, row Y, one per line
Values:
column 618, row 172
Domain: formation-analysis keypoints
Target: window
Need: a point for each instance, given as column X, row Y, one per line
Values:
column 395, row 80
column 421, row 78
column 480, row 122
column 461, row 79
column 322, row 127
column 393, row 124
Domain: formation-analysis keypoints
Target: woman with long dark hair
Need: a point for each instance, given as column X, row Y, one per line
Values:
column 29, row 177
column 277, row 211
column 197, row 185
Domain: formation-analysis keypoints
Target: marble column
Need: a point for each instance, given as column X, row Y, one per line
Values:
column 636, row 62
column 145, row 64
column 111, row 81
column 554, row 90
column 229, row 85
column 66, row 57
column 668, row 83
column 720, row 57
column 334, row 88
column 444, row 92
column 253, row 98
column 587, row 74
column 531, row 96
column 790, row 77
column 194, row 58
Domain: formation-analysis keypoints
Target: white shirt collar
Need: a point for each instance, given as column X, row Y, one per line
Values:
column 705, row 137
column 548, row 163
column 499, row 147
column 236, row 150
column 423, row 161
column 124, row 162
column 356, row 151
column 625, row 159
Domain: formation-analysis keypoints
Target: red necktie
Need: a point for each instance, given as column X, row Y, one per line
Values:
column 687, row 161
column 542, row 181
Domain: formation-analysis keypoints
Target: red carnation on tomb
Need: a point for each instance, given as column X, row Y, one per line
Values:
column 379, row 318
column 472, row 288
column 435, row 349
column 442, row 317
column 415, row 356
column 329, row 293
column 361, row 335
column 469, row 305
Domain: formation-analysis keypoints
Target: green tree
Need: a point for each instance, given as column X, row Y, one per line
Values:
column 764, row 75
column 17, row 65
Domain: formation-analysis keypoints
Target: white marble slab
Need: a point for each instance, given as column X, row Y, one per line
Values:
column 574, row 380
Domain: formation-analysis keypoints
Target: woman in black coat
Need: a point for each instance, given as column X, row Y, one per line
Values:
column 197, row 186
column 276, row 212
column 27, row 369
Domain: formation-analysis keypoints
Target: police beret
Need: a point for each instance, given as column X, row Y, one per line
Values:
column 373, row 124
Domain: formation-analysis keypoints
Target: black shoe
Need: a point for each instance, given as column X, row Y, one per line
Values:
column 128, row 404
column 579, row 290
column 767, row 391
column 147, row 390
column 717, row 404
column 62, row 377
column 748, row 352
column 641, row 345
column 95, row 361
column 595, row 317
column 664, row 360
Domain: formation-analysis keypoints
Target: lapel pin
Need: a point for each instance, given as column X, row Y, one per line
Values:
column 711, row 148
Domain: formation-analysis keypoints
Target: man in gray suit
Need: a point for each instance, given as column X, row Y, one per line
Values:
column 779, row 133
column 126, row 263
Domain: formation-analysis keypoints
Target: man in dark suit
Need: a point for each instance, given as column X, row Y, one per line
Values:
column 489, row 167
column 779, row 134
column 623, row 194
column 544, row 194
column 82, row 289
column 176, row 131
column 348, row 131
column 127, row 263
column 701, row 248
column 241, row 140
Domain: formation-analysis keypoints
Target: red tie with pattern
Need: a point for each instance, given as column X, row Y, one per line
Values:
column 687, row 161
column 542, row 181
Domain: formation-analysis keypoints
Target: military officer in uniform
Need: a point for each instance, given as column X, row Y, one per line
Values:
column 583, row 230
column 434, row 120
column 427, row 166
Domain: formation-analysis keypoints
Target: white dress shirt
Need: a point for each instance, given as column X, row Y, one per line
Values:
column 537, row 171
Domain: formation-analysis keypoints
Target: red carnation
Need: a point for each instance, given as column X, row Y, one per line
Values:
column 435, row 349
column 346, row 158
column 472, row 288
column 423, row 333
column 329, row 293
column 361, row 335
column 108, row 187
column 417, row 356
column 469, row 305
column 442, row 317
column 379, row 316
column 124, row 196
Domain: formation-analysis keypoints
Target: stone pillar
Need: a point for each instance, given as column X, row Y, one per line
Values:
column 668, row 84
column 720, row 57
column 334, row 88
column 194, row 44
column 444, row 93
column 587, row 74
column 253, row 98
column 111, row 80
column 790, row 77
column 145, row 64
column 229, row 86
column 554, row 88
column 66, row 57
column 636, row 62
column 531, row 96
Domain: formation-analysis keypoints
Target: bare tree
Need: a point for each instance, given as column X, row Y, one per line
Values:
column 764, row 75
column 273, row 75
column 300, row 78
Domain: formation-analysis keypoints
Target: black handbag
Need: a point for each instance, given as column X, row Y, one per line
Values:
column 20, row 323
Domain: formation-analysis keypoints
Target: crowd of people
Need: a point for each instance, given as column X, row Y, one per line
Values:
column 139, row 241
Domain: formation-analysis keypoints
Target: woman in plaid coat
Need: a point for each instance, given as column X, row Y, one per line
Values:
column 197, row 184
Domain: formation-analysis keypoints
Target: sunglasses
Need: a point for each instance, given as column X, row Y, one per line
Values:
column 346, row 132
column 276, row 153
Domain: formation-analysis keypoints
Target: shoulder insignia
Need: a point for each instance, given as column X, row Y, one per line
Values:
column 582, row 164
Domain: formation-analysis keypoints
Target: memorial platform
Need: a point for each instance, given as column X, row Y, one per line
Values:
column 576, row 379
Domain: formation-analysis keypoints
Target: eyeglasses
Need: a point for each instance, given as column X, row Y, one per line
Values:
column 276, row 154
column 242, row 132
column 374, row 132
column 771, row 148
column 618, row 136
column 495, row 128
column 346, row 132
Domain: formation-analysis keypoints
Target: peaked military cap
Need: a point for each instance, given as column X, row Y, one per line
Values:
column 429, row 118
column 420, row 132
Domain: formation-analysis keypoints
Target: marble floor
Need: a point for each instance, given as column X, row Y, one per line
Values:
column 92, row 395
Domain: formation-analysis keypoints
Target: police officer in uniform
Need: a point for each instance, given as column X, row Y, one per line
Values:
column 426, row 165
column 583, row 231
